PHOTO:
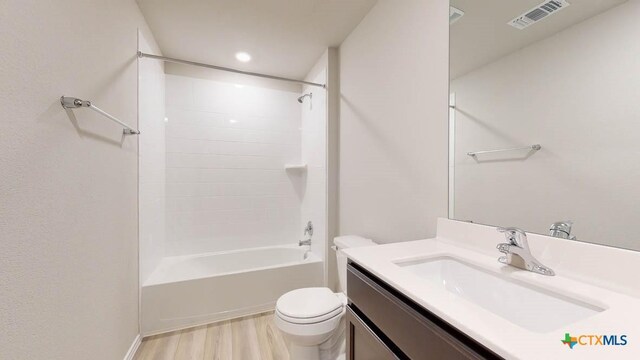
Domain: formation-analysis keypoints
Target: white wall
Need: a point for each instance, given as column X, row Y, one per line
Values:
column 393, row 121
column 68, row 183
column 575, row 94
column 226, row 150
column 152, row 154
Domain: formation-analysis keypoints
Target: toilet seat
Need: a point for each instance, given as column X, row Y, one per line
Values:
column 310, row 321
column 309, row 306
column 310, row 334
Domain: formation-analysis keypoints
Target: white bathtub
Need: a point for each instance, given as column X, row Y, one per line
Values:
column 192, row 290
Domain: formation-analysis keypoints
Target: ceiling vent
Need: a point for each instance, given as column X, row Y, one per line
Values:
column 454, row 14
column 538, row 13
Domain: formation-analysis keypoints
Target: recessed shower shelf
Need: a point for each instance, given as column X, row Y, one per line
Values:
column 295, row 167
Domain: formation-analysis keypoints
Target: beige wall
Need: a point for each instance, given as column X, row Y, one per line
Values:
column 393, row 121
column 68, row 186
column 333, row 162
column 575, row 93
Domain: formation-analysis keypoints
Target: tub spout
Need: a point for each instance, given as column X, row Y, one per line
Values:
column 304, row 242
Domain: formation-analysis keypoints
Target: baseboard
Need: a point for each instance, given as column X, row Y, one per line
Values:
column 200, row 320
column 134, row 347
column 232, row 315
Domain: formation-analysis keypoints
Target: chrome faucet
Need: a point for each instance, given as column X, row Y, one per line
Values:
column 517, row 252
column 308, row 230
column 304, row 242
column 562, row 230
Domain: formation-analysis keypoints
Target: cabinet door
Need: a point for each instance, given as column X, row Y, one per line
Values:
column 412, row 333
column 363, row 343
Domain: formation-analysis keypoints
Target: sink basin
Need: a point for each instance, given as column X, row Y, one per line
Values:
column 532, row 308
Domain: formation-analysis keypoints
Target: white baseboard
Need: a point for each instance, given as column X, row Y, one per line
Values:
column 134, row 347
column 213, row 318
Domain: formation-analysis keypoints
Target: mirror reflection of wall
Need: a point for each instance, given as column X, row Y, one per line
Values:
column 568, row 80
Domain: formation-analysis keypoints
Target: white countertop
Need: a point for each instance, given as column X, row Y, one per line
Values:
column 621, row 314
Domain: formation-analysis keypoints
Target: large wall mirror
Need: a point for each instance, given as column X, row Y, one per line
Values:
column 545, row 117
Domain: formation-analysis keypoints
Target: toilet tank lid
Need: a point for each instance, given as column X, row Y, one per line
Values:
column 352, row 241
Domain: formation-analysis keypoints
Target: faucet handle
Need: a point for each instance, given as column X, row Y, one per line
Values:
column 503, row 248
column 308, row 230
column 515, row 236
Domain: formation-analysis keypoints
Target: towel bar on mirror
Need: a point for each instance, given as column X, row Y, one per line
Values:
column 534, row 147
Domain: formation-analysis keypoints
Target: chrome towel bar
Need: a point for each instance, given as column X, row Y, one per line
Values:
column 74, row 103
column 534, row 147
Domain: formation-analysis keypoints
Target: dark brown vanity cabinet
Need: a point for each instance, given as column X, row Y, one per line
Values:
column 363, row 341
column 384, row 324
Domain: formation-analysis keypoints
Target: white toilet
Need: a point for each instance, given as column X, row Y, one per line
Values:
column 313, row 318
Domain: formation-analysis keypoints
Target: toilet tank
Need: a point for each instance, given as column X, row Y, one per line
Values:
column 345, row 242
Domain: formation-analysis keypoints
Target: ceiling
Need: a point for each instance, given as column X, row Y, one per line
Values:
column 284, row 37
column 482, row 35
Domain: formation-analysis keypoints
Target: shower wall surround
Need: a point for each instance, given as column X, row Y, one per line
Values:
column 151, row 162
column 226, row 146
column 314, row 155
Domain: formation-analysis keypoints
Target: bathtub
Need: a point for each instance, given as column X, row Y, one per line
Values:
column 192, row 290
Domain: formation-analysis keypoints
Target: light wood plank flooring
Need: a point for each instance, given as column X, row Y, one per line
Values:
column 249, row 338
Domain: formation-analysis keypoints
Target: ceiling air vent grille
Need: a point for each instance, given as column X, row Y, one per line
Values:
column 538, row 13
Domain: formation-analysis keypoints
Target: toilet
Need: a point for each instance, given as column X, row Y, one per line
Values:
column 312, row 319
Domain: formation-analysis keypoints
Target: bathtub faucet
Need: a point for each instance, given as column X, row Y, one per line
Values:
column 308, row 230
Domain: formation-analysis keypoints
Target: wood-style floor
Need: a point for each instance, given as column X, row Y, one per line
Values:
column 249, row 338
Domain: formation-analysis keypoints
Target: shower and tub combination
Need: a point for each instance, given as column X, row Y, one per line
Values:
column 198, row 289
column 229, row 179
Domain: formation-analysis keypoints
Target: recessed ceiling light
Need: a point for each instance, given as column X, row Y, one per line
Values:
column 233, row 121
column 239, row 86
column 243, row 57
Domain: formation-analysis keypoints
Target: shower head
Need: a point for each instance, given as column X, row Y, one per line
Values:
column 301, row 98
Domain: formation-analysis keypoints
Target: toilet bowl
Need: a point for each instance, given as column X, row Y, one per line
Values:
column 312, row 319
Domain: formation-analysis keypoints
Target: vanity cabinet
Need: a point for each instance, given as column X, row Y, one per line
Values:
column 364, row 343
column 384, row 324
